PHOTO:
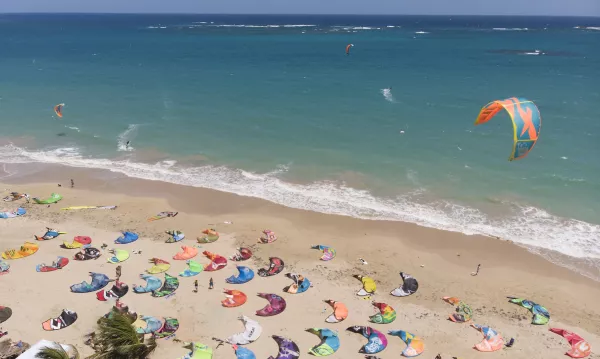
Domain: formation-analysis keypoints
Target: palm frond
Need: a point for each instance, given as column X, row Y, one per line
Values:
column 52, row 353
column 116, row 338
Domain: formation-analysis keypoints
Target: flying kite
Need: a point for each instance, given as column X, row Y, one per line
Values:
column 526, row 119
column 58, row 109
column 348, row 47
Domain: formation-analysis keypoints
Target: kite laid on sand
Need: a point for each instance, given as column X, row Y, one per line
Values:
column 579, row 347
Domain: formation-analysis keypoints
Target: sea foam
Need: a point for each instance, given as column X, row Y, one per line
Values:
column 527, row 225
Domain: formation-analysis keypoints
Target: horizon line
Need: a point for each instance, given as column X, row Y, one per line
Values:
column 287, row 14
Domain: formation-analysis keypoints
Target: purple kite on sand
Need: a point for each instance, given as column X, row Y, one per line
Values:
column 287, row 348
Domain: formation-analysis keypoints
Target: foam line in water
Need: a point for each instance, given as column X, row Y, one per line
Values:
column 526, row 225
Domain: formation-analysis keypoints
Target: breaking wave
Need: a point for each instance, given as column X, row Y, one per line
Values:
column 528, row 226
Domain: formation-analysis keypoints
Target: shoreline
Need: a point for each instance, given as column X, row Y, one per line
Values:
column 94, row 179
column 431, row 256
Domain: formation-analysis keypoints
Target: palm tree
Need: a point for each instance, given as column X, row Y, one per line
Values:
column 116, row 338
column 56, row 353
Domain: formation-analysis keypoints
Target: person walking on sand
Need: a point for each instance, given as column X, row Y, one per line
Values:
column 210, row 283
column 196, row 286
column 72, row 183
column 118, row 272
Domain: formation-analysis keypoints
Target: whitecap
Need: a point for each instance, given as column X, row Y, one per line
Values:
column 387, row 94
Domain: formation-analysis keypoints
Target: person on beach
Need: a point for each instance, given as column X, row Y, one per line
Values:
column 118, row 272
column 196, row 286
column 72, row 183
column 210, row 283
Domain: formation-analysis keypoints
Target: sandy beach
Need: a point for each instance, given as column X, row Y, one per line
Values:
column 440, row 261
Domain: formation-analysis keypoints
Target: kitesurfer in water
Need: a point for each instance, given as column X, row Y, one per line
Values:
column 127, row 145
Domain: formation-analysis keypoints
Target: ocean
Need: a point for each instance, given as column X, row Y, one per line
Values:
column 272, row 107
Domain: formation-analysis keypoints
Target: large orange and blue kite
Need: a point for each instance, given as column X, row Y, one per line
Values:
column 526, row 119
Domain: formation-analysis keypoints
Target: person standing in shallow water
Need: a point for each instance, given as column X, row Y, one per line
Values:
column 210, row 283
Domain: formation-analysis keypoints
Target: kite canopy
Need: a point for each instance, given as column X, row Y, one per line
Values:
column 65, row 319
column 464, row 313
column 252, row 331
column 235, row 298
column 376, row 340
column 217, row 262
column 540, row 314
column 275, row 267
column 492, row 340
column 243, row 353
column 162, row 215
column 87, row 254
column 127, row 237
column 414, row 345
column 169, row 286
column 5, row 314
column 60, row 263
column 409, row 286
column 118, row 290
column 4, row 267
column 301, row 284
column 386, row 314
column 276, row 305
column 78, row 242
column 328, row 252
column 330, row 342
column 268, row 236
column 348, row 47
column 26, row 250
column 210, row 236
column 340, row 312
column 526, row 119
column 369, row 286
column 579, row 347
column 242, row 254
column 99, row 281
column 168, row 329
column 199, row 351
column 287, row 348
column 150, row 326
column 58, row 109
column 245, row 275
column 19, row 212
column 152, row 284
column 186, row 253
column 176, row 236
column 194, row 268
column 119, row 255
column 159, row 266
column 50, row 234
column 54, row 197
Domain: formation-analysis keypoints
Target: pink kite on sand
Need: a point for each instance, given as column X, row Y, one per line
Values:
column 187, row 253
column 492, row 340
column 216, row 262
column 267, row 237
column 579, row 347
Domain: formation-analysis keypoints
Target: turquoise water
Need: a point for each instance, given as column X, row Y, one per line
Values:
column 271, row 107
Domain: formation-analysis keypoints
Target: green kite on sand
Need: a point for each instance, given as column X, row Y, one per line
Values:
column 541, row 315
column 54, row 197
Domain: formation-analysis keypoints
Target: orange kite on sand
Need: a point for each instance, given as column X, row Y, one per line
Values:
column 187, row 253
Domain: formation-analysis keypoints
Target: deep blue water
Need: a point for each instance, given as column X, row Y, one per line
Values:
column 261, row 106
